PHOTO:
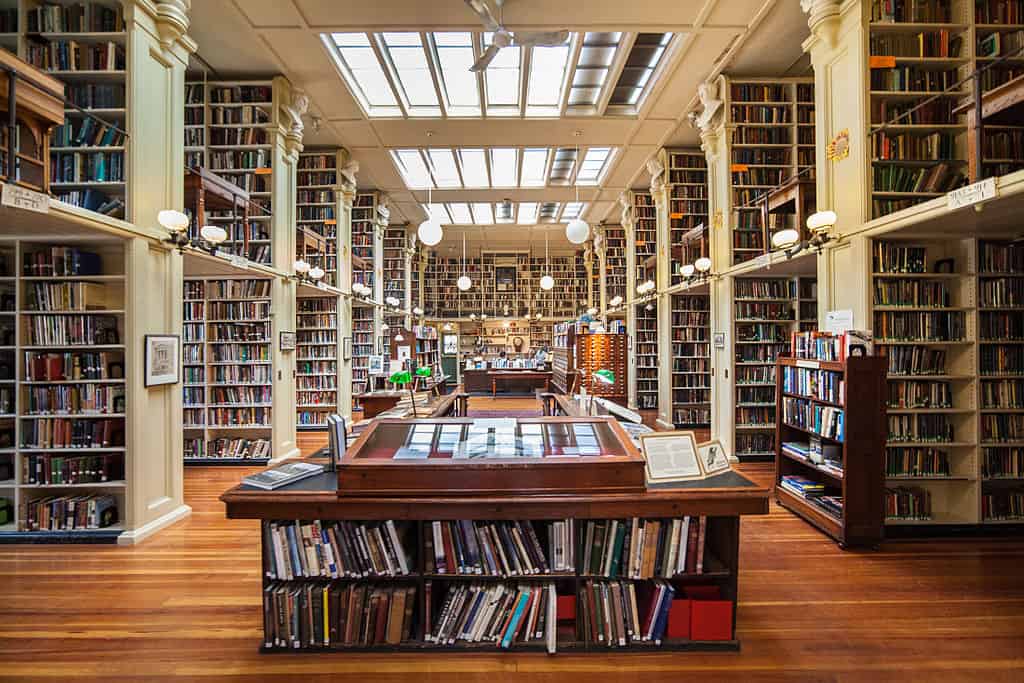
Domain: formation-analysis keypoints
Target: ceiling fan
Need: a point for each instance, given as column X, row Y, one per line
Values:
column 503, row 38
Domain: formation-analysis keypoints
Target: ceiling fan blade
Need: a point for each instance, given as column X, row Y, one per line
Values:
column 484, row 13
column 486, row 58
column 542, row 38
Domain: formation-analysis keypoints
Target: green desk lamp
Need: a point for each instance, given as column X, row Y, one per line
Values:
column 401, row 378
column 602, row 376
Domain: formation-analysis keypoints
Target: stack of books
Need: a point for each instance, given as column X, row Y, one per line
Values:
column 803, row 487
column 498, row 613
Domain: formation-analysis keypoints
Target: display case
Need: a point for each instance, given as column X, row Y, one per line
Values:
column 483, row 457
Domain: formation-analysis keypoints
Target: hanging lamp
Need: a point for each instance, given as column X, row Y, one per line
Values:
column 577, row 231
column 546, row 281
column 464, row 282
column 430, row 232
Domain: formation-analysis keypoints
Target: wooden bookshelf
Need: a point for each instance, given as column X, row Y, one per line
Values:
column 63, row 392
column 363, row 345
column 645, row 230
column 615, row 262
column 771, row 141
column 691, row 360
column 687, row 184
column 840, row 407
column 428, row 354
column 316, row 358
column 227, row 371
column 767, row 310
column 997, row 32
column 395, row 240
column 315, row 206
column 914, row 52
column 227, row 132
column 646, row 349
column 924, row 323
column 1001, row 380
column 89, row 53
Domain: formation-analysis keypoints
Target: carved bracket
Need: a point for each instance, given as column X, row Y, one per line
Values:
column 823, row 19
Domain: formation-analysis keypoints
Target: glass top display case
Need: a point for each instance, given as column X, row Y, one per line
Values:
column 467, row 456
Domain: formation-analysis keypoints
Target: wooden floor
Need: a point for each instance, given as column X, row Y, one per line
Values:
column 185, row 606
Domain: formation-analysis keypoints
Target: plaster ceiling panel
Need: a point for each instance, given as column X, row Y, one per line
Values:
column 672, row 99
column 226, row 40
column 604, row 211
column 331, row 99
column 631, row 162
column 611, row 14
column 774, row 47
column 683, row 136
column 262, row 13
column 652, row 131
column 611, row 194
column 376, row 169
column 355, row 134
column 738, row 12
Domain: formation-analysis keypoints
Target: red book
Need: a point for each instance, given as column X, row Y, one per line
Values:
column 450, row 560
column 679, row 620
column 383, row 606
column 565, row 608
column 711, row 620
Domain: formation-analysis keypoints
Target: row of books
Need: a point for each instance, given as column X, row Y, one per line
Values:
column 70, row 433
column 999, row 359
column 935, row 179
column 1003, row 505
column 920, row 428
column 912, row 503
column 510, row 548
column 62, row 367
column 240, row 352
column 57, row 470
column 96, row 95
column 919, row 461
column 240, row 311
column 70, row 330
column 83, row 167
column 999, row 292
column 323, row 615
column 825, row 346
column 643, row 549
column 1004, row 393
column 240, row 417
column 68, row 513
column 70, row 55
column 916, row 360
column 826, row 421
column 1001, row 427
column 334, row 550
column 825, row 385
column 920, row 326
column 231, row 449
column 89, row 133
column 66, row 296
column 910, row 11
column 939, row 43
column 238, row 136
column 913, row 112
column 500, row 613
column 913, row 292
column 76, row 399
column 997, row 257
column 826, row 456
column 82, row 17
column 239, row 332
column 890, row 257
column 998, row 326
column 620, row 613
column 1003, row 462
column 904, row 146
column 920, row 394
column 241, row 374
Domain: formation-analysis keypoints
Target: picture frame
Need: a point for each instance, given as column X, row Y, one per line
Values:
column 375, row 365
column 713, row 458
column 286, row 341
column 162, row 354
column 671, row 456
column 719, row 340
column 346, row 348
column 450, row 345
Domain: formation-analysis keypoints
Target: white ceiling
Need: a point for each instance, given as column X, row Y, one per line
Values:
column 263, row 37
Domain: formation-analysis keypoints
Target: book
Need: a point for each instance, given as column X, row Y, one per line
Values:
column 282, row 475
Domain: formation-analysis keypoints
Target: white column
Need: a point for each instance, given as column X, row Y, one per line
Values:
column 344, row 196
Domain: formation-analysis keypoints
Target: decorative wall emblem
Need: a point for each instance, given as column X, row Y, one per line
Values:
column 839, row 148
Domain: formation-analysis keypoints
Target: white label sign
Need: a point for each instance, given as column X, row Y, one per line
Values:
column 975, row 193
column 238, row 261
column 838, row 322
column 23, row 198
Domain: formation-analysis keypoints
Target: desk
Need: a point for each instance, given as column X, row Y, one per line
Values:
column 533, row 379
column 376, row 402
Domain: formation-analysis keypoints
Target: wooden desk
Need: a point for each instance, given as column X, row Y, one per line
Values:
column 376, row 402
column 532, row 377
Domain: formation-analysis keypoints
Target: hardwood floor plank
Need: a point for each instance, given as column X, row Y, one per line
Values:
column 185, row 606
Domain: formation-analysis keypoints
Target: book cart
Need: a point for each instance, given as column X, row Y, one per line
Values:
column 549, row 497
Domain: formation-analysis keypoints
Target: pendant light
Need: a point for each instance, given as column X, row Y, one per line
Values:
column 430, row 232
column 546, row 281
column 464, row 283
column 577, row 231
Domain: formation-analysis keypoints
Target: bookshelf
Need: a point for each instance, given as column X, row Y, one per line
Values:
column 63, row 393
column 227, row 131
column 615, row 262
column 1001, row 380
column 688, row 201
column 829, row 444
column 365, row 213
column 563, row 349
column 395, row 240
column 766, row 311
column 316, row 358
column 998, row 30
column 646, row 357
column 315, row 206
column 428, row 353
column 84, row 46
column 691, row 360
column 362, row 346
column 227, row 371
column 914, row 51
column 645, row 230
column 924, row 323
column 771, row 140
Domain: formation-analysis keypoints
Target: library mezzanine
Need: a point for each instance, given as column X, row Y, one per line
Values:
column 511, row 340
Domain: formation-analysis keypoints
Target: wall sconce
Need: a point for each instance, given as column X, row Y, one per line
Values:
column 615, row 301
column 698, row 271
column 176, row 223
column 818, row 224
column 212, row 237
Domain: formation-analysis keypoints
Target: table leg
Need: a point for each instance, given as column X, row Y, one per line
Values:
column 494, row 387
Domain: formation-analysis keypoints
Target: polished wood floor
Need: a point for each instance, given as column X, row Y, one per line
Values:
column 184, row 606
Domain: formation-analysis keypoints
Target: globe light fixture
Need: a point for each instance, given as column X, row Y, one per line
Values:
column 300, row 267
column 821, row 221
column 687, row 270
column 417, row 311
column 649, row 307
column 316, row 272
column 483, row 316
column 591, row 311
column 464, row 283
column 615, row 301
column 577, row 231
column 172, row 220
column 214, row 234
column 703, row 264
column 538, row 316
column 472, row 316
column 547, row 283
column 430, row 232
column 785, row 238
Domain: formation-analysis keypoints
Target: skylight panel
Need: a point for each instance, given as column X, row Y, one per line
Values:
column 527, row 213
column 592, row 67
column 535, row 163
column 438, row 212
column 474, row 168
column 482, row 213
column 504, row 167
column 502, row 79
column 547, row 74
column 364, row 75
column 643, row 59
column 414, row 170
column 455, row 56
column 572, row 210
column 446, row 173
column 593, row 164
column 547, row 212
column 412, row 72
column 460, row 213
column 562, row 166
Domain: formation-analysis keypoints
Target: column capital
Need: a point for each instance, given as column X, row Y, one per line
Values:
column 347, row 194
column 172, row 21
column 822, row 19
column 292, row 110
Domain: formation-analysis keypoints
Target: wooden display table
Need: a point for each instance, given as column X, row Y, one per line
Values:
column 376, row 402
column 480, row 380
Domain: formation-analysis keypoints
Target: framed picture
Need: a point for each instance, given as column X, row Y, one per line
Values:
column 451, row 345
column 713, row 459
column 671, row 456
column 346, row 348
column 719, row 338
column 375, row 365
column 286, row 341
column 162, row 359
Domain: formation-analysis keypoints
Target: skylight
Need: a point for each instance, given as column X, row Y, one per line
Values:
column 504, row 167
column 413, row 168
column 500, row 167
column 535, row 162
column 563, row 166
column 405, row 74
column 474, row 168
column 486, row 213
column 446, row 173
column 593, row 165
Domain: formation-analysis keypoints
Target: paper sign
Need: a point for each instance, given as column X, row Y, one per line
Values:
column 882, row 62
column 676, row 214
column 838, row 322
column 330, row 221
column 970, row 194
column 262, row 171
column 810, row 364
column 739, row 168
column 24, row 198
column 238, row 261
